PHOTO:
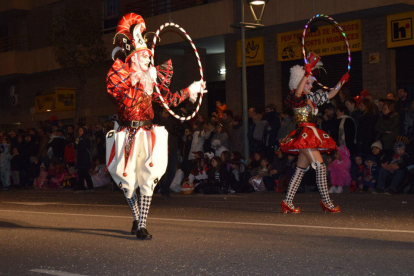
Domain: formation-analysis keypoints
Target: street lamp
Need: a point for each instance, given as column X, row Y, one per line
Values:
column 243, row 25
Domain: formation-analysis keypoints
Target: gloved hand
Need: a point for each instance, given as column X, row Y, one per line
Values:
column 344, row 79
column 312, row 61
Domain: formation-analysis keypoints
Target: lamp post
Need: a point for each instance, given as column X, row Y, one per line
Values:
column 243, row 25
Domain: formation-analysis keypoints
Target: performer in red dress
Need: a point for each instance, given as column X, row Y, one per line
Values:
column 136, row 149
column 308, row 141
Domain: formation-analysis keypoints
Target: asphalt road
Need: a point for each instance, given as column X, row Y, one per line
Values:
column 63, row 233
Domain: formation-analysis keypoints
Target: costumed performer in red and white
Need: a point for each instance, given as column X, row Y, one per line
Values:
column 307, row 140
column 136, row 149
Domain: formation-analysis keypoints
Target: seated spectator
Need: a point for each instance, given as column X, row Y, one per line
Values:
column 376, row 150
column 198, row 175
column 357, row 170
column 255, row 162
column 370, row 174
column 237, row 178
column 388, row 126
column 276, row 170
column 395, row 168
column 217, row 178
column 257, row 174
column 56, row 175
column 340, row 171
column 42, row 180
column 100, row 178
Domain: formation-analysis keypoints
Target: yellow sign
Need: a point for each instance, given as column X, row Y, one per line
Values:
column 65, row 99
column 400, row 29
column 254, row 51
column 326, row 40
column 45, row 103
column 62, row 99
column 374, row 58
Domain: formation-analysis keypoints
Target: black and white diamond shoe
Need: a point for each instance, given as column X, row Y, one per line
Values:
column 142, row 234
column 134, row 228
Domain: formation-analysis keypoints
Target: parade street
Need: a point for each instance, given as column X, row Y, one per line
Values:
column 63, row 233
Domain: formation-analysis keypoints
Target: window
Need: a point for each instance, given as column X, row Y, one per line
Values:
column 110, row 15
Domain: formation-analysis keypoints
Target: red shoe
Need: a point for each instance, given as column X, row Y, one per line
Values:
column 286, row 208
column 326, row 209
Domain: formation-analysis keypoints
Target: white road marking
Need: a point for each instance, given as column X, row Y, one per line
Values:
column 55, row 272
column 225, row 222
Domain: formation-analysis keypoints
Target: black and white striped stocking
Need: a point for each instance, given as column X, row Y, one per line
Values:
column 294, row 184
column 144, row 205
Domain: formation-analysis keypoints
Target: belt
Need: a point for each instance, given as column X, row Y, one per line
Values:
column 136, row 124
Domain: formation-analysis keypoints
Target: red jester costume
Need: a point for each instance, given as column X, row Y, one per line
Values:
column 137, row 149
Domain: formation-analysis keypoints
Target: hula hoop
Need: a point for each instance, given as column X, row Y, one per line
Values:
column 333, row 22
column 199, row 64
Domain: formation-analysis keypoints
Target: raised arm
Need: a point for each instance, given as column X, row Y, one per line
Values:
column 338, row 87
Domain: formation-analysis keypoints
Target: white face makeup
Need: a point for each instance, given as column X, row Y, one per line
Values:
column 308, row 85
column 143, row 60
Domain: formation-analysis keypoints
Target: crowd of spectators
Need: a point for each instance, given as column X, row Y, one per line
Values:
column 54, row 157
column 375, row 155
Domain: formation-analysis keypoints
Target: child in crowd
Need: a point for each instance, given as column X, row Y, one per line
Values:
column 237, row 178
column 56, row 175
column 198, row 175
column 277, row 169
column 370, row 174
column 340, row 170
column 257, row 175
column 71, row 174
column 255, row 161
column 376, row 149
column 394, row 167
column 357, row 170
column 217, row 177
column 225, row 158
column 41, row 181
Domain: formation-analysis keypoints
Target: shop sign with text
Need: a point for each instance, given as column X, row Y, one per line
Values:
column 325, row 40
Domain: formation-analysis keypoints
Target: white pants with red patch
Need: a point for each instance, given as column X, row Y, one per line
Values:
column 147, row 160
